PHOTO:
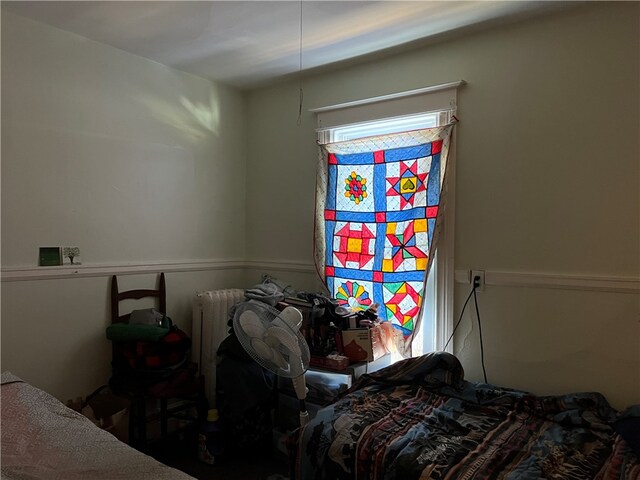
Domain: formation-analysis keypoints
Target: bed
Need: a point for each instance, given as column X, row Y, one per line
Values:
column 419, row 419
column 44, row 439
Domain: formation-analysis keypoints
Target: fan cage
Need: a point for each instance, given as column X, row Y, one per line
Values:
column 267, row 314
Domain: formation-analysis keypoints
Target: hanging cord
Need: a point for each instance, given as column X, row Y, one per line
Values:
column 300, row 72
column 475, row 300
column 300, row 108
column 473, row 289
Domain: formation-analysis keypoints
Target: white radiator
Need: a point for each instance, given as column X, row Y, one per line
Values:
column 208, row 329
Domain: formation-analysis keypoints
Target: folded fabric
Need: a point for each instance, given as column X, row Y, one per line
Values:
column 268, row 293
column 126, row 332
column 282, row 286
column 147, row 316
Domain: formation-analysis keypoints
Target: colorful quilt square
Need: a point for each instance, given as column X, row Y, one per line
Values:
column 354, row 188
column 356, row 294
column 354, row 245
column 406, row 183
column 406, row 246
column 402, row 302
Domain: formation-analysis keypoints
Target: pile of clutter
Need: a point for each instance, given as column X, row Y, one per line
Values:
column 337, row 334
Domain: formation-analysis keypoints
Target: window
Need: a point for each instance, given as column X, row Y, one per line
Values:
column 375, row 117
column 388, row 125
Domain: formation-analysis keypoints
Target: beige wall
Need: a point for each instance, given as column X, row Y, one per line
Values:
column 131, row 161
column 547, row 181
column 124, row 157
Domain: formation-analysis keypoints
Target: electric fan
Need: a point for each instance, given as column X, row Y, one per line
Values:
column 272, row 338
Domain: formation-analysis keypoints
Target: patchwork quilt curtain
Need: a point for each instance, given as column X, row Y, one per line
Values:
column 377, row 204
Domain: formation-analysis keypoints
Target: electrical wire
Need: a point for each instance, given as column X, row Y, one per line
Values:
column 473, row 289
column 300, row 72
column 475, row 301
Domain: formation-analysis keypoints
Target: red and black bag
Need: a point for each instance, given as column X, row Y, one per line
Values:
column 167, row 352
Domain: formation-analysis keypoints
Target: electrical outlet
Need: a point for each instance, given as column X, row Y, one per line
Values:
column 480, row 275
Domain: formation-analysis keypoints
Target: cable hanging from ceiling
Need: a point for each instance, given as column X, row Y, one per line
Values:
column 301, row 93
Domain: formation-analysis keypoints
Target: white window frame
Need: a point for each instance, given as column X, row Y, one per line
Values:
column 440, row 100
column 385, row 126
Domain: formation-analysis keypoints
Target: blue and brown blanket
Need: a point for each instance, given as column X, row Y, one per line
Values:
column 419, row 419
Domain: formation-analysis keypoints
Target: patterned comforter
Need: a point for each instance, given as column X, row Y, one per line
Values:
column 43, row 439
column 419, row 419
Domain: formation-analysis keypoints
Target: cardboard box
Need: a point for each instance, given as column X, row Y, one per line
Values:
column 331, row 362
column 363, row 344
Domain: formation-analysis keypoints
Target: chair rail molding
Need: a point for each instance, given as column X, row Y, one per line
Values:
column 591, row 282
column 565, row 281
column 280, row 265
column 16, row 274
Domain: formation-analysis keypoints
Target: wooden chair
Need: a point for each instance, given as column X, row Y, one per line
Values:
column 140, row 386
column 116, row 297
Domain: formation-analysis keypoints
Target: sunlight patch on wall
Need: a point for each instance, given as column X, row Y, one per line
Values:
column 208, row 116
column 195, row 120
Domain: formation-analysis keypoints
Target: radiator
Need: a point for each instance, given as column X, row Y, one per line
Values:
column 208, row 329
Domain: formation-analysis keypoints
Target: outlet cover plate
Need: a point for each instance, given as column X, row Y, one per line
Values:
column 477, row 273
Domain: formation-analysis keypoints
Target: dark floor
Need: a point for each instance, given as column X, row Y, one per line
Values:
column 181, row 452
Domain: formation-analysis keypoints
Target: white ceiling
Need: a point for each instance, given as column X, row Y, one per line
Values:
column 246, row 43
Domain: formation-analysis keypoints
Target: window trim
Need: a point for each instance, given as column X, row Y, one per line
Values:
column 412, row 121
column 445, row 271
column 420, row 100
column 392, row 96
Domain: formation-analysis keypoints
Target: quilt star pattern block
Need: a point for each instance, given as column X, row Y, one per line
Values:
column 378, row 200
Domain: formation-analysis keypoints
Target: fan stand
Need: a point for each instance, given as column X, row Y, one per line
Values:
column 300, row 387
column 273, row 340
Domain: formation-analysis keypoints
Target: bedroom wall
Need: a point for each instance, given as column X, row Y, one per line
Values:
column 547, row 182
column 133, row 162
